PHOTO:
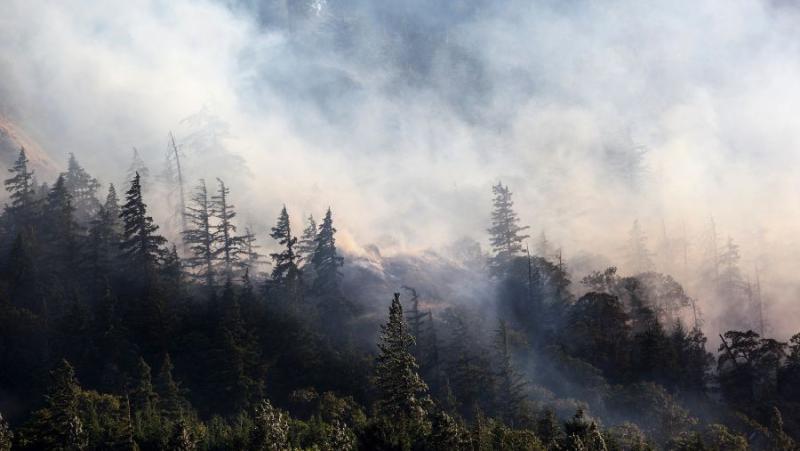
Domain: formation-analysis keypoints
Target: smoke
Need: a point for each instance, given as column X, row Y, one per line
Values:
column 400, row 115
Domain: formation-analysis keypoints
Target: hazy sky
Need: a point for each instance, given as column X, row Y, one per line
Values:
column 401, row 115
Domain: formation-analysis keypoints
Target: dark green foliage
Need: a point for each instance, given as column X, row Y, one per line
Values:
column 285, row 271
column 403, row 395
column 58, row 425
column 21, row 193
column 140, row 245
column 112, row 298
column 325, row 260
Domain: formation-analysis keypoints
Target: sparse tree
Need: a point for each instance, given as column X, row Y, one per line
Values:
column 199, row 236
column 505, row 235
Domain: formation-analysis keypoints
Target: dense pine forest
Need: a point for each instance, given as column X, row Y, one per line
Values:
column 111, row 337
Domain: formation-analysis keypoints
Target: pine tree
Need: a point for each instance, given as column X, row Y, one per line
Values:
column 171, row 401
column 307, row 243
column 21, row 188
column 639, row 258
column 199, row 236
column 143, row 397
column 326, row 261
column 505, row 234
column 104, row 237
column 228, row 244
column 285, row 273
column 58, row 425
column 403, row 394
column 511, row 386
column 140, row 244
column 82, row 187
column 61, row 230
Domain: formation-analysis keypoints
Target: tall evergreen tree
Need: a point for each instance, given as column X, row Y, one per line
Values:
column 140, row 244
column 22, row 191
column 104, row 238
column 308, row 242
column 61, row 230
column 58, row 425
column 403, row 394
column 228, row 244
column 199, row 236
column 170, row 395
column 285, row 272
column 82, row 187
column 505, row 234
column 326, row 261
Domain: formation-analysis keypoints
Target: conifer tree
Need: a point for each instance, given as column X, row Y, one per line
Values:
column 21, row 188
column 58, row 425
column 104, row 238
column 228, row 245
column 140, row 244
column 171, row 400
column 61, row 230
column 326, row 261
column 403, row 394
column 143, row 396
column 285, row 272
column 505, row 234
column 510, row 387
column 82, row 187
column 308, row 242
column 199, row 236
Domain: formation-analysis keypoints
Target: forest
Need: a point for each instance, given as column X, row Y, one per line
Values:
column 113, row 338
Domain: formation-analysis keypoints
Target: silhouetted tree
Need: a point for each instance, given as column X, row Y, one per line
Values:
column 326, row 261
column 403, row 394
column 199, row 236
column 505, row 234
column 140, row 243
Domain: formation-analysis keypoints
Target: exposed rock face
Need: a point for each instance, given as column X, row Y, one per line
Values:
column 12, row 137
